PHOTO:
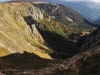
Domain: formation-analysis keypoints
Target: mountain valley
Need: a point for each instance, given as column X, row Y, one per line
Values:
column 41, row 38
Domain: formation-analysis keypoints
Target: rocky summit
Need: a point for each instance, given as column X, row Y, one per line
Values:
column 40, row 38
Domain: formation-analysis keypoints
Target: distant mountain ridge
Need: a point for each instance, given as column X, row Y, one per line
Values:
column 89, row 10
column 97, row 21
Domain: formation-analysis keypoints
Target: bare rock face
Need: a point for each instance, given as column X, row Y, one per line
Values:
column 37, row 33
column 36, row 13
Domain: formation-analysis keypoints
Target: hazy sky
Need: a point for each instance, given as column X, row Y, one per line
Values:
column 4, row 0
column 16, row 0
column 96, row 1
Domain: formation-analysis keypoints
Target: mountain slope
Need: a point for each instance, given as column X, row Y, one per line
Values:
column 23, row 19
column 89, row 10
column 16, row 35
column 84, row 63
column 34, row 41
column 69, row 19
column 92, row 48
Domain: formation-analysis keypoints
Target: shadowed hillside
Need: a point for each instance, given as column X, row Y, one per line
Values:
column 58, row 43
column 24, row 60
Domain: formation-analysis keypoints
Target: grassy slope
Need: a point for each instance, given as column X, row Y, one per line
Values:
column 16, row 35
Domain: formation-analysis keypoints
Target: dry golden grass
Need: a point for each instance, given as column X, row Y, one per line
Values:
column 16, row 34
column 4, row 52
